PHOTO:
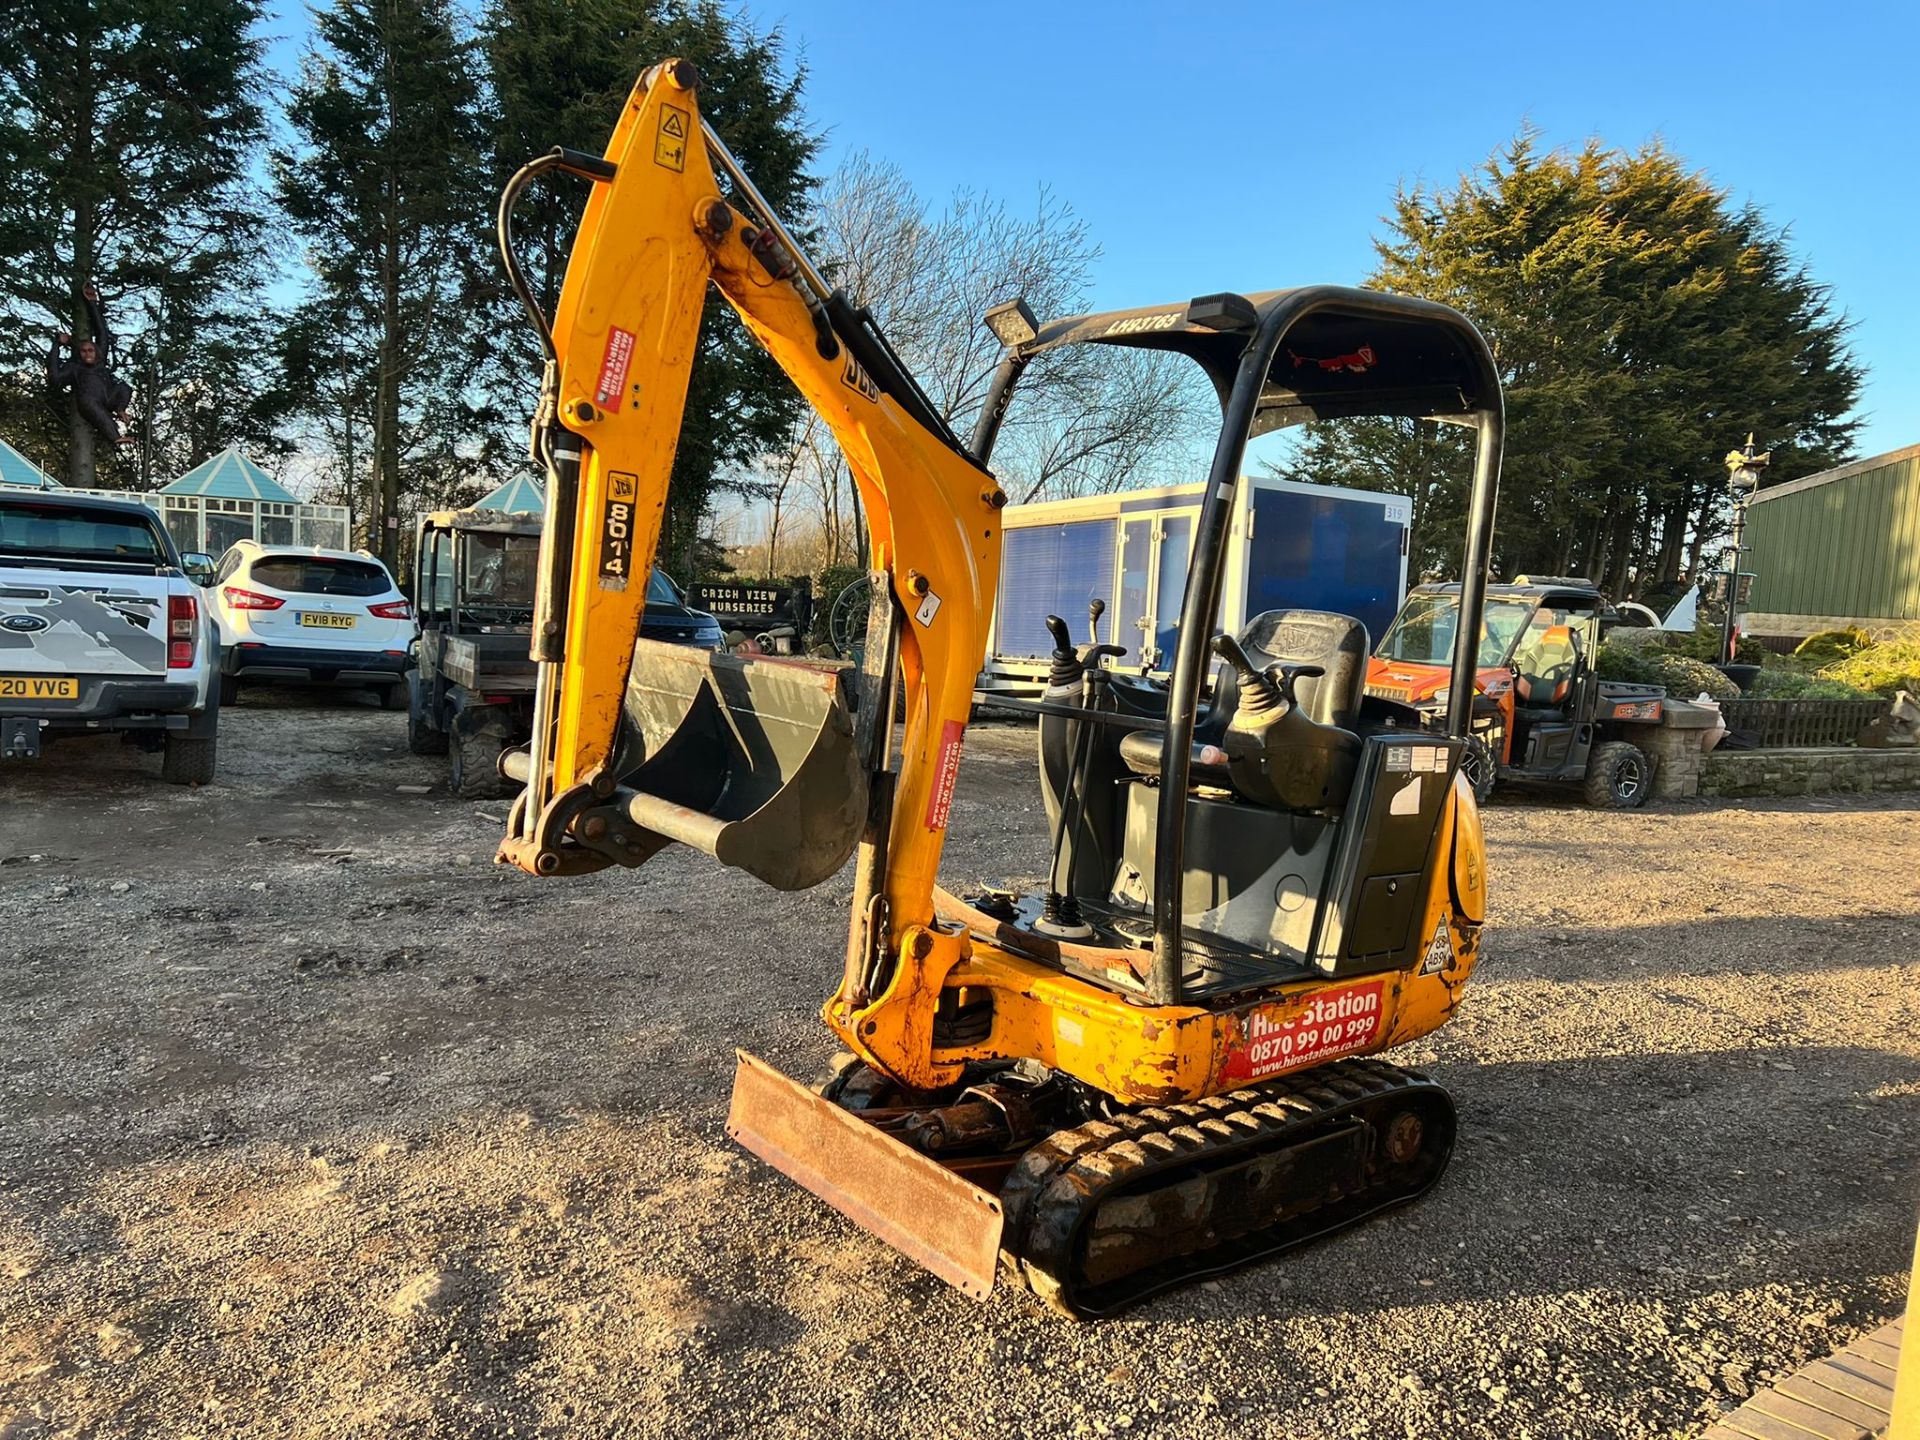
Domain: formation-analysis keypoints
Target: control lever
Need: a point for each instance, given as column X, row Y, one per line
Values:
column 1290, row 675
column 1067, row 669
column 1277, row 754
column 1096, row 607
column 1258, row 692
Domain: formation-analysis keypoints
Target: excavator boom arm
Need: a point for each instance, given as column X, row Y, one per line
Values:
column 655, row 233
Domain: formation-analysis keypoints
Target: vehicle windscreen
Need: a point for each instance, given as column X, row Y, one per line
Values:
column 501, row 569
column 320, row 575
column 1423, row 632
column 660, row 590
column 51, row 531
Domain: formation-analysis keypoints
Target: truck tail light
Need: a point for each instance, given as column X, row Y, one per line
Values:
column 249, row 599
column 183, row 631
column 392, row 610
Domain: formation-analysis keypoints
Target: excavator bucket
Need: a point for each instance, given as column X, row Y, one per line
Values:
column 922, row 1209
column 751, row 759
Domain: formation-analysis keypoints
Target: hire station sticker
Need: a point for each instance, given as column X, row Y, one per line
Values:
column 615, row 361
column 1331, row 1024
column 940, row 800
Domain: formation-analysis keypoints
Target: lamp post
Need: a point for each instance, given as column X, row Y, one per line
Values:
column 1744, row 468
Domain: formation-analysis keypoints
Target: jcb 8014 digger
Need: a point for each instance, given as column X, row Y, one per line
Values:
column 1155, row 1068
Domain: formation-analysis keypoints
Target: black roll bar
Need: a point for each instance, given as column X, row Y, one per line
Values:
column 1278, row 317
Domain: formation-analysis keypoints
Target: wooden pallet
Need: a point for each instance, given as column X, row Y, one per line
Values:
column 1847, row 1396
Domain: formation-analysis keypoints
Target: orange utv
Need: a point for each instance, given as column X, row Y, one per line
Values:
column 1540, row 712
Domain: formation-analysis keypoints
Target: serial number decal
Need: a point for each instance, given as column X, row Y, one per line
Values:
column 940, row 802
column 1637, row 710
column 1141, row 324
column 616, row 530
column 670, row 143
column 1326, row 1027
column 614, row 364
column 856, row 379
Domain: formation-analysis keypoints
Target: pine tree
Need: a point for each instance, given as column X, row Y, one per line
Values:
column 127, row 131
column 561, row 69
column 1641, row 326
column 386, row 186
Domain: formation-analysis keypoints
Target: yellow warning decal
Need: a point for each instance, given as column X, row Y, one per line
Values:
column 670, row 145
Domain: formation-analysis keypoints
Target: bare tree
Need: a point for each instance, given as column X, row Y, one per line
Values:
column 1086, row 419
column 1092, row 419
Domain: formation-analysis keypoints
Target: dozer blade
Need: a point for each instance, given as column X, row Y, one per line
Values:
column 922, row 1209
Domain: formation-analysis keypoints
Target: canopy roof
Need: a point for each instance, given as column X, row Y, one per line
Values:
column 519, row 495
column 16, row 469
column 230, row 475
column 1340, row 351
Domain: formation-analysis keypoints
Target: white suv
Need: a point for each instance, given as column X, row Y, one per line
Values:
column 312, row 617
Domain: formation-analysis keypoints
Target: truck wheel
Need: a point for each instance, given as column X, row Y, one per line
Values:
column 1478, row 766
column 473, row 764
column 1619, row 776
column 423, row 738
column 229, row 689
column 187, row 760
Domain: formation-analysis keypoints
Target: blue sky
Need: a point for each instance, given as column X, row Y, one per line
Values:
column 1253, row 146
column 1250, row 146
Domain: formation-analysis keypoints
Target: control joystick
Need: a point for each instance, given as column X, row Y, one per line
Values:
column 1067, row 668
column 1276, row 754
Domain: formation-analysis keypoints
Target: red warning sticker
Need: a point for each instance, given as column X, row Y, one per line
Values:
column 612, row 389
column 1292, row 1036
column 940, row 802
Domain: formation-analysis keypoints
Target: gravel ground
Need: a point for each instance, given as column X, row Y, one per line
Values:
column 316, row 1124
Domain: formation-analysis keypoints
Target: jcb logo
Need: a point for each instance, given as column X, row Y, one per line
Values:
column 855, row 378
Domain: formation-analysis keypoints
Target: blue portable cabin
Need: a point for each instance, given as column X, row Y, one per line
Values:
column 1316, row 547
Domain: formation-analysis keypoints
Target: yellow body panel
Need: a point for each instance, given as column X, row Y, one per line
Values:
column 1163, row 1054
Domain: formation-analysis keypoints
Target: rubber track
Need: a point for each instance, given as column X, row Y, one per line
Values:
column 1059, row 1184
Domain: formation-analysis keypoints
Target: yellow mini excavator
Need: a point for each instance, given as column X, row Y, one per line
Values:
column 1156, row 1068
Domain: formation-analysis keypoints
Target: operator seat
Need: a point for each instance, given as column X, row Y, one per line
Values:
column 1337, row 644
column 1544, row 676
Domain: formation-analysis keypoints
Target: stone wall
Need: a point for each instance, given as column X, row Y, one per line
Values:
column 1674, row 746
column 1835, row 771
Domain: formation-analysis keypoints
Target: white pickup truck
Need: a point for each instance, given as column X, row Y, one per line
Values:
column 102, row 630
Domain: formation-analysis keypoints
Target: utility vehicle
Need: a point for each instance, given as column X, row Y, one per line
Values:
column 1540, row 712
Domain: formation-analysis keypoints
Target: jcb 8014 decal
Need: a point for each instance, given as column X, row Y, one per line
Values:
column 616, row 530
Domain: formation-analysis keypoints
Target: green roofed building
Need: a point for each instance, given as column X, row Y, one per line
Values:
column 229, row 498
column 230, row 476
column 519, row 495
column 1837, row 549
column 16, row 469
